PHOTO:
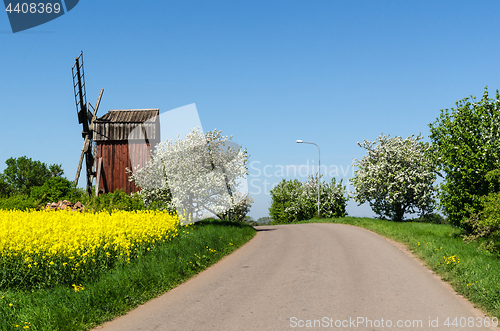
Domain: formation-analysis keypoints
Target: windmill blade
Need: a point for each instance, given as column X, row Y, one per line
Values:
column 98, row 102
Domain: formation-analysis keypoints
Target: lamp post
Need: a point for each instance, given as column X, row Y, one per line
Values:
column 319, row 165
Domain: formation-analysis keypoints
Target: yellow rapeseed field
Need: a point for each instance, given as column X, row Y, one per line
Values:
column 44, row 248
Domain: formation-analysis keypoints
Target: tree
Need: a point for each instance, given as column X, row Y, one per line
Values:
column 202, row 173
column 55, row 189
column 285, row 202
column 23, row 173
column 395, row 177
column 466, row 142
column 294, row 201
column 5, row 188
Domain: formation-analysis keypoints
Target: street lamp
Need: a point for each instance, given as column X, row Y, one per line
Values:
column 319, row 164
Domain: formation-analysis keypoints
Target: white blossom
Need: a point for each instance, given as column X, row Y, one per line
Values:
column 201, row 174
column 395, row 177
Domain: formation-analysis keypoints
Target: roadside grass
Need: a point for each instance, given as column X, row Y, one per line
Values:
column 473, row 273
column 84, row 306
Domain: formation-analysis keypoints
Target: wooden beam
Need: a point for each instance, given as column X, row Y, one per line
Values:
column 84, row 149
column 98, row 179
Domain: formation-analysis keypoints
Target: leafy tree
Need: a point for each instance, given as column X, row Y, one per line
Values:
column 294, row 201
column 264, row 220
column 395, row 177
column 55, row 189
column 466, row 142
column 285, row 198
column 5, row 188
column 23, row 173
column 199, row 174
column 56, row 170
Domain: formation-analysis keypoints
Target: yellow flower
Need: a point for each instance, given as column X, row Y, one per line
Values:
column 58, row 242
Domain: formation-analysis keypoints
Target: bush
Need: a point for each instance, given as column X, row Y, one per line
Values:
column 293, row 201
column 118, row 200
column 18, row 202
column 485, row 224
column 239, row 210
column 55, row 189
column 431, row 218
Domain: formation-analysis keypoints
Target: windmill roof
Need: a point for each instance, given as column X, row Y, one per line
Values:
column 121, row 124
column 129, row 116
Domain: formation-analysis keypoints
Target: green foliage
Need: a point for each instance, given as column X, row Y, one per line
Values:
column 493, row 179
column 395, row 177
column 485, row 224
column 431, row 218
column 56, row 170
column 18, row 202
column 55, row 189
column 115, row 200
column 5, row 188
column 250, row 221
column 293, row 201
column 23, row 173
column 283, row 196
column 466, row 141
column 264, row 220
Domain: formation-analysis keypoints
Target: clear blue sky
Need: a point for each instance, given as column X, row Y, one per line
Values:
column 266, row 72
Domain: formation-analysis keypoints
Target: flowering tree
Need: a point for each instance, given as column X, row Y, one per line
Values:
column 201, row 174
column 294, row 201
column 395, row 177
column 466, row 141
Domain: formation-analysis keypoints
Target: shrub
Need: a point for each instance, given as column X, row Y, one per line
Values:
column 431, row 218
column 485, row 224
column 238, row 210
column 55, row 189
column 18, row 202
column 117, row 200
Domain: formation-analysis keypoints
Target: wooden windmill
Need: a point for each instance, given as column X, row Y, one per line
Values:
column 86, row 118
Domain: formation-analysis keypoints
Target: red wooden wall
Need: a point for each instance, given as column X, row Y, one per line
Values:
column 116, row 157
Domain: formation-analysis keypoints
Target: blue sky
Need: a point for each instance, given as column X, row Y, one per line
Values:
column 266, row 72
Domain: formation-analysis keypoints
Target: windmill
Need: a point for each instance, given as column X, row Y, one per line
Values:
column 86, row 118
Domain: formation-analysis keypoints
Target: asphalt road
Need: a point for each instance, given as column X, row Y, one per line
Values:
column 308, row 276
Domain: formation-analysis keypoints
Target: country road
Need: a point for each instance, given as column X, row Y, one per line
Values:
column 307, row 276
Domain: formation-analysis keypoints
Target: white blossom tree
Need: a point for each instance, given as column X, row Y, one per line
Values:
column 396, row 177
column 204, row 173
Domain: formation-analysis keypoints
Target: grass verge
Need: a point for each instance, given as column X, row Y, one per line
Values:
column 84, row 306
column 473, row 273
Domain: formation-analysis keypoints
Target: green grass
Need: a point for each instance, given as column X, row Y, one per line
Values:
column 473, row 273
column 125, row 287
